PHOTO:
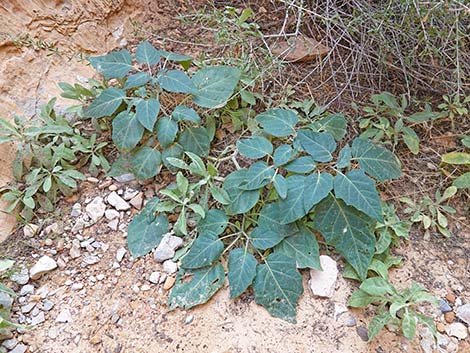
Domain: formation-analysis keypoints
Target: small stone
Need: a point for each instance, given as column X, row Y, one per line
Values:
column 76, row 210
column 30, row 230
column 458, row 302
column 10, row 344
column 20, row 348
column 77, row 286
column 21, row 277
column 188, row 319
column 463, row 313
column 120, row 253
column 75, row 251
column 449, row 317
column 450, row 297
column 458, row 330
column 113, row 225
column 166, row 249
column 27, row 308
column 51, row 229
column 91, row 260
column 27, row 290
column 135, row 288
column 111, row 214
column 362, row 332
column 47, row 305
column 440, row 327
column 137, row 201
column 95, row 340
column 145, row 288
column 38, row 319
column 154, row 277
column 92, row 180
column 322, row 283
column 100, row 277
column 117, row 202
column 64, row 316
column 427, row 340
column 44, row 265
column 112, row 187
column 96, row 208
column 350, row 321
column 169, row 283
column 444, row 307
column 170, row 267
column 48, row 242
column 124, row 178
column 130, row 194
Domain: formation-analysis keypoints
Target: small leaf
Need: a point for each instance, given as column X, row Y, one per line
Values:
column 173, row 152
column 462, row 181
column 182, row 112
column 167, row 130
column 147, row 54
column 411, row 140
column 377, row 324
column 127, row 131
column 408, row 325
column 146, row 112
column 344, row 157
column 283, row 154
column 255, row 147
column 320, row 145
column 360, row 299
column 264, row 238
column 220, row 195
column 137, row 80
column 377, row 286
column 456, row 158
column 146, row 163
column 301, row 165
column 241, row 271
column 278, row 122
column 116, row 64
column 176, row 81
column 204, row 251
column 106, row 103
column 195, row 140
column 214, row 223
column 280, row 184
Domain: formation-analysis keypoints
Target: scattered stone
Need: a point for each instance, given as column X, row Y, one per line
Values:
column 124, row 178
column 129, row 194
column 362, row 332
column 449, row 317
column 113, row 225
column 77, row 286
column 75, row 251
column 450, row 297
column 47, row 305
column 120, row 253
column 458, row 330
column 340, row 308
column 427, row 340
column 100, row 277
column 105, row 184
column 444, row 307
column 64, row 316
column 96, row 208
column 44, row 265
column 188, row 319
column 350, row 321
column 51, row 229
column 30, row 230
column 20, row 348
column 442, row 340
column 170, row 267
column 91, row 259
column 145, row 288
column 137, row 201
column 169, row 283
column 166, row 249
column 27, row 290
column 117, row 202
column 92, row 180
column 154, row 277
column 27, row 308
column 440, row 327
column 38, row 319
column 48, row 242
column 95, row 340
column 135, row 288
column 111, row 214
column 10, row 344
column 322, row 283
column 76, row 210
column 463, row 313
column 112, row 187
column 53, row 333
column 21, row 277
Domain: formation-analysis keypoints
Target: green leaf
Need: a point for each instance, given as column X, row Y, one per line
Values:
column 278, row 122
column 427, row 321
column 146, row 112
column 214, row 85
column 174, row 151
column 204, row 251
column 344, row 157
column 462, row 181
column 127, row 131
column 377, row 324
column 320, row 145
column 301, row 165
column 214, row 223
column 411, row 140
column 6, row 264
column 334, row 124
column 146, row 231
column 147, row 54
column 278, row 286
column 258, row 175
column 241, row 200
column 270, row 218
column 303, row 247
column 203, row 284
column 176, row 81
column 5, row 289
column 375, row 160
column 167, row 130
column 292, row 207
column 263, row 238
column 377, row 286
column 358, row 190
column 317, row 187
column 241, row 271
column 283, row 154
column 280, row 184
column 360, row 299
column 137, row 80
column 196, row 140
column 220, row 195
column 348, row 230
column 408, row 325
column 175, row 57
column 106, row 103
column 255, row 147
column 146, row 163
column 116, row 64
column 456, row 158
column 182, row 112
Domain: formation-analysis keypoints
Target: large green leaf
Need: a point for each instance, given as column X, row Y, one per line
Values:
column 348, row 230
column 456, row 158
column 146, row 111
column 334, row 124
column 462, row 181
column 202, row 285
column 292, row 207
column 176, row 81
column 320, row 145
column 215, row 85
column 278, row 286
column 241, row 271
column 146, row 163
column 241, row 200
column 195, row 140
column 213, row 223
column 137, row 80
column 116, row 64
column 278, row 122
column 258, row 175
column 302, row 247
column 376, row 161
column 358, row 190
column 344, row 157
column 270, row 218
column 146, row 231
column 263, row 238
column 167, row 130
column 106, row 103
column 147, row 54
column 301, row 165
column 283, row 154
column 317, row 187
column 182, row 112
column 127, row 131
column 255, row 147
column 204, row 251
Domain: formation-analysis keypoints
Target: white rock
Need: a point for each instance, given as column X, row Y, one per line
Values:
column 427, row 340
column 166, row 249
column 170, row 267
column 21, row 277
column 145, row 287
column 45, row 264
column 96, row 208
column 64, row 316
column 20, row 348
column 75, row 251
column 111, row 214
column 463, row 313
column 130, row 194
column 120, row 253
column 91, row 260
column 27, row 289
column 30, row 230
column 124, row 178
column 113, row 225
column 458, row 330
column 10, row 344
column 77, row 286
column 322, row 283
column 117, row 202
column 137, row 201
column 76, row 210
column 154, row 277
column 38, row 319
